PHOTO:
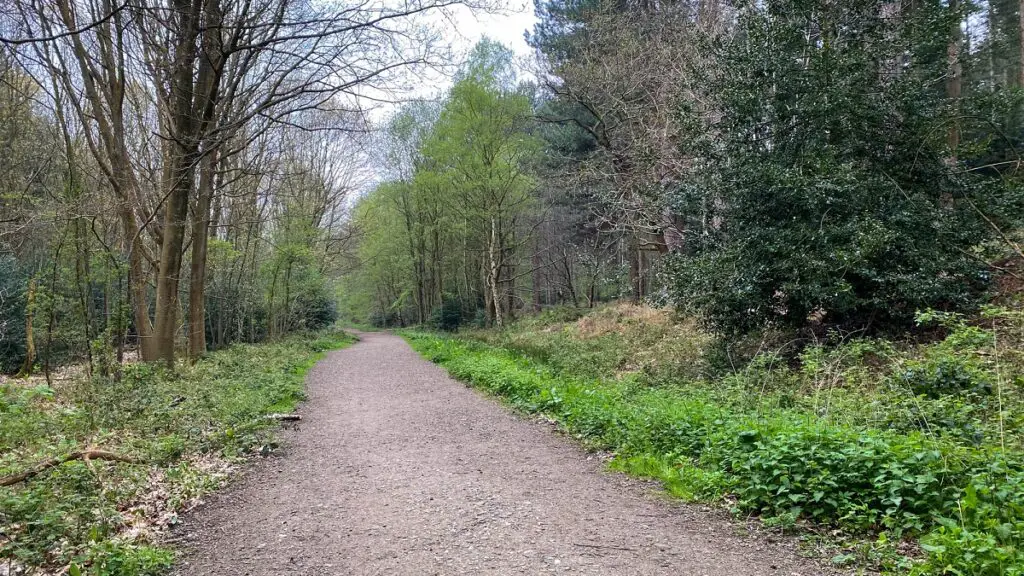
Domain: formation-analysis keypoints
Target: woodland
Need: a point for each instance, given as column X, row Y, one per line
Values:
column 766, row 252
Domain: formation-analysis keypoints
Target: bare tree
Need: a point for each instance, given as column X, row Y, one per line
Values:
column 199, row 75
column 626, row 78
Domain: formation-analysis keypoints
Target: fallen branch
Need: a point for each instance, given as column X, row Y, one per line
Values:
column 283, row 417
column 90, row 454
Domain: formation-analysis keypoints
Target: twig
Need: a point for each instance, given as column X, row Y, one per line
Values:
column 89, row 454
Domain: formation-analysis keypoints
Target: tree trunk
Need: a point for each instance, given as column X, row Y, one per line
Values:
column 52, row 323
column 137, row 281
column 990, row 60
column 111, row 130
column 569, row 280
column 30, row 341
column 192, row 107
column 200, row 241
column 1020, row 33
column 635, row 269
column 954, row 81
column 83, row 285
column 286, row 318
column 535, row 262
column 168, row 277
column 493, row 273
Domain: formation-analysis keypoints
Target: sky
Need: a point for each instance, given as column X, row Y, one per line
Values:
column 507, row 27
column 461, row 28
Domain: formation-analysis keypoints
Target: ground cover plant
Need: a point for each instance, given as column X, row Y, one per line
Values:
column 179, row 433
column 911, row 453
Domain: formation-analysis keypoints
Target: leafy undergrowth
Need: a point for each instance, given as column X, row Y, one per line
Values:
column 908, row 456
column 187, row 429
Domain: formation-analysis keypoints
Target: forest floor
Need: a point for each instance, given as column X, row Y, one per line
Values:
column 399, row 469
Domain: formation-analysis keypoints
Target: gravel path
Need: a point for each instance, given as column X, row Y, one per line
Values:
column 398, row 469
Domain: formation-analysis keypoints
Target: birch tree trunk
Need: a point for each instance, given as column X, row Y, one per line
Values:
column 493, row 272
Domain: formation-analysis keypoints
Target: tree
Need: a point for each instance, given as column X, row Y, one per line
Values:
column 207, row 78
column 829, row 172
column 451, row 228
column 620, row 71
column 480, row 146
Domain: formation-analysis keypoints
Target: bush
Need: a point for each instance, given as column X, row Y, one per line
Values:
column 447, row 316
column 319, row 311
column 834, row 198
column 986, row 536
column 944, row 376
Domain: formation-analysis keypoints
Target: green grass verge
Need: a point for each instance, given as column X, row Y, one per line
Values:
column 188, row 427
column 964, row 503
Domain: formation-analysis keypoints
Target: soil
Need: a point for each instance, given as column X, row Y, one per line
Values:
column 397, row 469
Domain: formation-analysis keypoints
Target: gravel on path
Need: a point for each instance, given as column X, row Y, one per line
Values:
column 397, row 469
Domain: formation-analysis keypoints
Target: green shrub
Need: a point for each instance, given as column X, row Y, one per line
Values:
column 944, row 376
column 117, row 558
column 447, row 316
column 986, row 535
column 832, row 206
column 560, row 314
column 319, row 310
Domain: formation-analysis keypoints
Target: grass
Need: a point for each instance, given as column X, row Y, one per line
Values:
column 910, row 455
column 188, row 429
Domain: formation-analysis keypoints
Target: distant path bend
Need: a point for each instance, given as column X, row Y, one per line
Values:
column 399, row 470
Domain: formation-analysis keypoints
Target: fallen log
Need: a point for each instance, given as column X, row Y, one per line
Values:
column 89, row 454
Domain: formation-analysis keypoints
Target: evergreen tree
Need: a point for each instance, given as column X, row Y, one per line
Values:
column 827, row 173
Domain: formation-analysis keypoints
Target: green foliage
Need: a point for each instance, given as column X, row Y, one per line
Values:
column 188, row 426
column 785, row 459
column 986, row 536
column 831, row 178
column 117, row 558
column 458, row 201
column 447, row 316
column 944, row 376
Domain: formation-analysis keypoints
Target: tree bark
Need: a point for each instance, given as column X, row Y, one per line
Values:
column 192, row 104
column 1020, row 32
column 168, row 277
column 635, row 268
column 990, row 60
column 535, row 262
column 200, row 242
column 493, row 272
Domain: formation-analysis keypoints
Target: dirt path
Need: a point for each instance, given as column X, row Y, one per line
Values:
column 398, row 469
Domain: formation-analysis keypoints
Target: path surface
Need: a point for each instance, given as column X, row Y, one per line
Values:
column 398, row 469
